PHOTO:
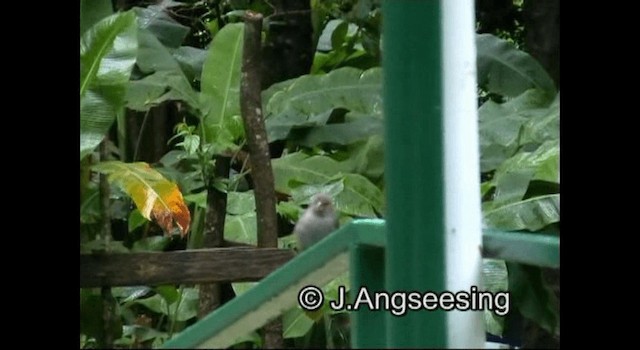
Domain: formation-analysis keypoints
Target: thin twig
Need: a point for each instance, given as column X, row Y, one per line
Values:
column 139, row 140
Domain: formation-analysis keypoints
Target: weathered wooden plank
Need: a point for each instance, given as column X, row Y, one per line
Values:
column 191, row 266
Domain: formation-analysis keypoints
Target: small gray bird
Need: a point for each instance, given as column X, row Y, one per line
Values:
column 316, row 222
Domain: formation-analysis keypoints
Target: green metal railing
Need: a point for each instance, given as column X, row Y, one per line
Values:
column 431, row 238
column 358, row 247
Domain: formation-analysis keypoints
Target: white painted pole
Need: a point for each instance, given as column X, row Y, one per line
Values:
column 462, row 169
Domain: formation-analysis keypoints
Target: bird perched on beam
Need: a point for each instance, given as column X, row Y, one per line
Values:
column 317, row 222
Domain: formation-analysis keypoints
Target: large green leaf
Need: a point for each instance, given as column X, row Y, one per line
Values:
column 543, row 163
column 513, row 177
column 360, row 197
column 505, row 70
column 343, row 133
column 240, row 223
column 241, row 228
column 289, row 210
column 241, row 287
column 500, row 125
column 165, row 80
column 353, row 194
column 191, row 60
column 239, row 203
column 310, row 99
column 92, row 11
column 295, row 323
column 532, row 297
column 275, row 88
column 301, row 194
column 155, row 19
column 168, row 292
column 183, row 309
column 153, row 56
column 544, row 126
column 511, row 186
column 366, row 157
column 531, row 214
column 220, row 85
column 334, row 33
column 495, row 279
column 302, row 168
column 158, row 87
column 302, row 176
column 107, row 55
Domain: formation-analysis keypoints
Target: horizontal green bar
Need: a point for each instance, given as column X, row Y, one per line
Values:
column 278, row 292
column 324, row 261
column 526, row 248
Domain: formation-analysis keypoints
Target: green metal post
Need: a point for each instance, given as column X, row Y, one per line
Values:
column 414, row 168
column 367, row 271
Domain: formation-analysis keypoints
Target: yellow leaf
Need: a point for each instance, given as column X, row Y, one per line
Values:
column 156, row 197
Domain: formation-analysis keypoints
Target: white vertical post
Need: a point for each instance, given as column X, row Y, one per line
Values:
column 462, row 169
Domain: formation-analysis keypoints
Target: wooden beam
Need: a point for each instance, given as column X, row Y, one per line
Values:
column 188, row 266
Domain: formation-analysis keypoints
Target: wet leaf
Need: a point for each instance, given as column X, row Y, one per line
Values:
column 156, row 197
column 501, row 126
column 135, row 220
column 183, row 310
column 353, row 194
column 508, row 71
column 366, row 157
column 295, row 323
column 156, row 20
column 107, row 54
column 304, row 169
column 92, row 11
column 309, row 100
column 533, row 297
column 495, row 279
column 220, row 96
column 241, row 287
column 241, row 228
column 239, row 203
column 289, row 210
column 531, row 214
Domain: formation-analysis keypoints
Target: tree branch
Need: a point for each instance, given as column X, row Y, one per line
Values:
column 259, row 155
column 211, row 293
column 260, row 158
column 105, row 292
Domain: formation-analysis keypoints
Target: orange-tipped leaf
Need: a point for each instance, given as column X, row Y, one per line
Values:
column 156, row 197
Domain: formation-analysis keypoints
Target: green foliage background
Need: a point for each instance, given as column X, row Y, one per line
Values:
column 331, row 123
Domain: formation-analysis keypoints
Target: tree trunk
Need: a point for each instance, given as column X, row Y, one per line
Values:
column 288, row 49
column 542, row 34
